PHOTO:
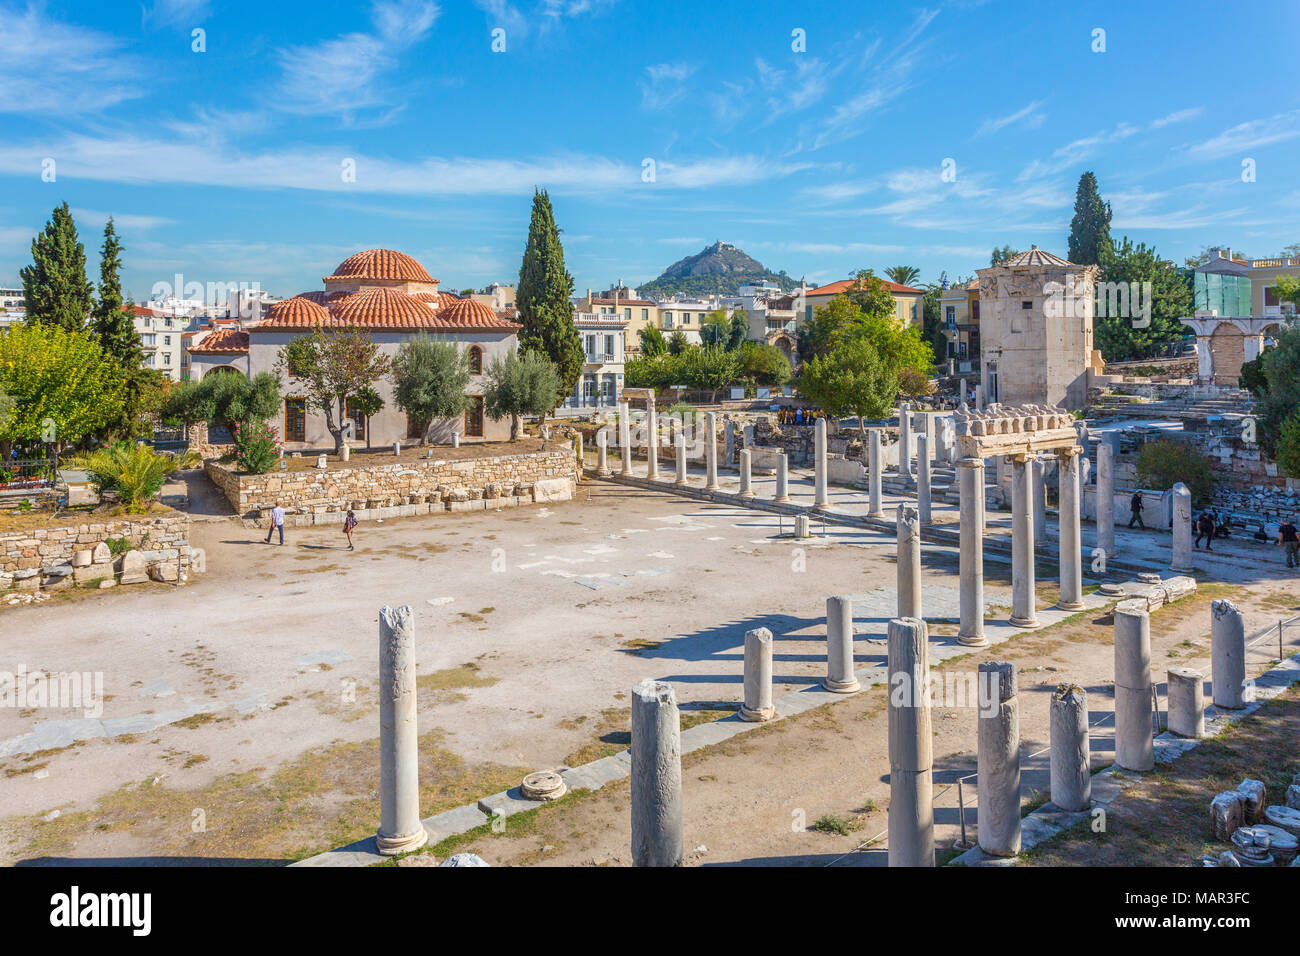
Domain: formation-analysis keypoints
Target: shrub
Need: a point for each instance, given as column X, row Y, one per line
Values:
column 1162, row 464
column 256, row 447
column 135, row 472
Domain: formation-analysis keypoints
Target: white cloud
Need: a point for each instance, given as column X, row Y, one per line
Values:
column 97, row 218
column 170, row 13
column 1031, row 116
column 1075, row 152
column 1249, row 135
column 1179, row 116
column 47, row 67
column 665, row 84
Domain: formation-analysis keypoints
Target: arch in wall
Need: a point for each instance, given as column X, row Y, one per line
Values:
column 222, row 368
column 475, row 360
column 1228, row 347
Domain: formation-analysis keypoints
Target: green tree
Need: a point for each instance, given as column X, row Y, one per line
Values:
column 329, row 365
column 544, row 299
column 1162, row 464
column 903, row 275
column 1288, row 446
column 739, row 330
column 224, row 400
column 933, row 328
column 63, row 387
column 1090, row 227
column 430, row 378
column 111, row 320
column 870, row 294
column 1287, row 289
column 652, row 341
column 850, row 379
column 1002, row 254
column 715, row 328
column 711, row 367
column 763, row 364
column 366, row 402
column 1279, row 396
column 1122, row 337
column 54, row 285
column 677, row 342
column 520, row 385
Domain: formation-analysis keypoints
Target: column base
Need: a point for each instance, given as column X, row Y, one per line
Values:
column 1023, row 621
column 1070, row 605
column 972, row 640
column 841, row 687
column 757, row 716
column 713, row 487
column 392, row 846
column 782, row 498
column 603, row 474
column 747, row 495
column 1181, row 570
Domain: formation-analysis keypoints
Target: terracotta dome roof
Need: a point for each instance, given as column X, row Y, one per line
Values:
column 324, row 298
column 383, row 308
column 222, row 342
column 432, row 299
column 466, row 313
column 296, row 313
column 381, row 264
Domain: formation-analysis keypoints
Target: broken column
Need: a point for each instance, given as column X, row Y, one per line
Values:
column 1227, row 655
column 746, row 476
column 651, row 438
column 782, row 477
column 876, row 462
column 923, row 478
column 909, row 562
column 400, row 829
column 1105, row 500
column 1071, row 756
column 1186, row 701
column 729, row 436
column 905, row 441
column 1040, row 500
column 656, row 784
column 679, row 451
column 758, row 674
column 970, row 486
column 911, row 807
column 1133, row 747
column 840, row 678
column 819, row 479
column 711, row 451
column 1067, row 519
column 602, row 453
column 625, row 436
column 999, row 759
column 1182, row 529
column 1022, row 543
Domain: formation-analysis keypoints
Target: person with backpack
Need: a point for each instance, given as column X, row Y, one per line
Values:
column 1205, row 529
column 1135, row 507
column 349, row 523
column 1290, row 541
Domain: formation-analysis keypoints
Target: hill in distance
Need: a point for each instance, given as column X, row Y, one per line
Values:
column 719, row 269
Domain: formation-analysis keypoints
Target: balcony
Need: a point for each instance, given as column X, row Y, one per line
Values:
column 601, row 358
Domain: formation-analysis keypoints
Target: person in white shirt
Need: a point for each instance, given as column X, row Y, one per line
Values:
column 277, row 521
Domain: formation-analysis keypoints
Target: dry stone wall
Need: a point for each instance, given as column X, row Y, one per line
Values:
column 65, row 554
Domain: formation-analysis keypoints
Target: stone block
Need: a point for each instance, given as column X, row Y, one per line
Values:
column 132, row 568
column 1225, row 815
column 81, row 558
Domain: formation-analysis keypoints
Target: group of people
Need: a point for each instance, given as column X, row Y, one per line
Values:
column 1209, row 525
column 277, row 524
column 799, row 416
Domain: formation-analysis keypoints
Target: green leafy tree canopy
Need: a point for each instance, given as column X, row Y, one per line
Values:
column 430, row 378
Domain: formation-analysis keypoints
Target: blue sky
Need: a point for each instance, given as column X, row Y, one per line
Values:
column 226, row 165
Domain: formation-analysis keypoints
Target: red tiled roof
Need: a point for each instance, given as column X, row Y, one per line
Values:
column 296, row 313
column 466, row 313
column 382, row 308
column 839, row 288
column 380, row 264
column 222, row 342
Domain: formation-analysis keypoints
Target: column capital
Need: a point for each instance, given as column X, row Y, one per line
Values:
column 1072, row 452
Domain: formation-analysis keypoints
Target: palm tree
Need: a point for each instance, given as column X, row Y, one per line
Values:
column 903, row 275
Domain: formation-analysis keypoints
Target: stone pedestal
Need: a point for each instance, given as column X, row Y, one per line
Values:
column 1071, row 755
column 909, row 562
column 625, row 437
column 710, row 451
column 602, row 453
column 679, row 449
column 1023, row 613
column 400, row 830
column 1181, row 559
column 782, row 477
column 905, row 440
column 1227, row 655
column 1071, row 555
column 819, row 482
column 758, row 673
column 840, row 678
column 876, row 463
column 1106, row 499
column 923, row 477
column 729, row 439
column 999, row 760
column 1186, row 702
column 911, row 807
column 1133, row 747
column 970, row 485
column 802, row 526
column 746, row 479
column 656, row 779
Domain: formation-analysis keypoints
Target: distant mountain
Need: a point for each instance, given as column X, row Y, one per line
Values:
column 719, row 269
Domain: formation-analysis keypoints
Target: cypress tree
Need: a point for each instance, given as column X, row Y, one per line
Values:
column 54, row 285
column 544, row 298
column 112, row 321
column 1090, row 242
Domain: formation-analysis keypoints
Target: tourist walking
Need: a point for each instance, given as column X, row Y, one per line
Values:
column 277, row 522
column 1135, row 506
column 1290, row 541
column 1205, row 529
column 349, row 523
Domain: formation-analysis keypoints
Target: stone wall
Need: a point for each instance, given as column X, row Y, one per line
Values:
column 44, row 557
column 402, row 489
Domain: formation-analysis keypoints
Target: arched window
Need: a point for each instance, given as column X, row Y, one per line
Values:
column 475, row 360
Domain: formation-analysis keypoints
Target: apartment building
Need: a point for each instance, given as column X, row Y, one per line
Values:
column 907, row 300
column 160, row 339
column 604, row 340
column 959, row 307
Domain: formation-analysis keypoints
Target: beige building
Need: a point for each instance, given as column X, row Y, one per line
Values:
column 959, row 309
column 160, row 339
column 1036, row 324
column 636, row 312
column 907, row 300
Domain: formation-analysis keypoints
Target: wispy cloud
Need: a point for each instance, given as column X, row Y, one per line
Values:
column 171, row 13
column 1178, row 116
column 1249, row 135
column 665, row 84
column 48, row 67
column 97, row 218
column 1031, row 116
column 1075, row 152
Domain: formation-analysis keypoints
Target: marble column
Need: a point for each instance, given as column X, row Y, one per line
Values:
column 711, row 451
column 820, row 500
column 1133, row 746
column 1022, row 544
column 580, row 455
column 656, row 778
column 729, row 442
column 758, row 675
column 782, row 477
column 963, row 393
column 1067, row 518
column 1071, row 751
column 746, row 478
column 400, row 830
column 602, row 453
column 625, row 437
column 905, row 441
column 1040, row 500
column 1106, row 498
column 923, row 478
column 747, row 437
column 998, row 759
column 679, row 450
column 1186, row 702
column 911, row 806
column 909, row 562
column 840, row 678
column 1182, row 530
column 876, row 462
column 970, row 485
column 1228, row 655
column 651, row 440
